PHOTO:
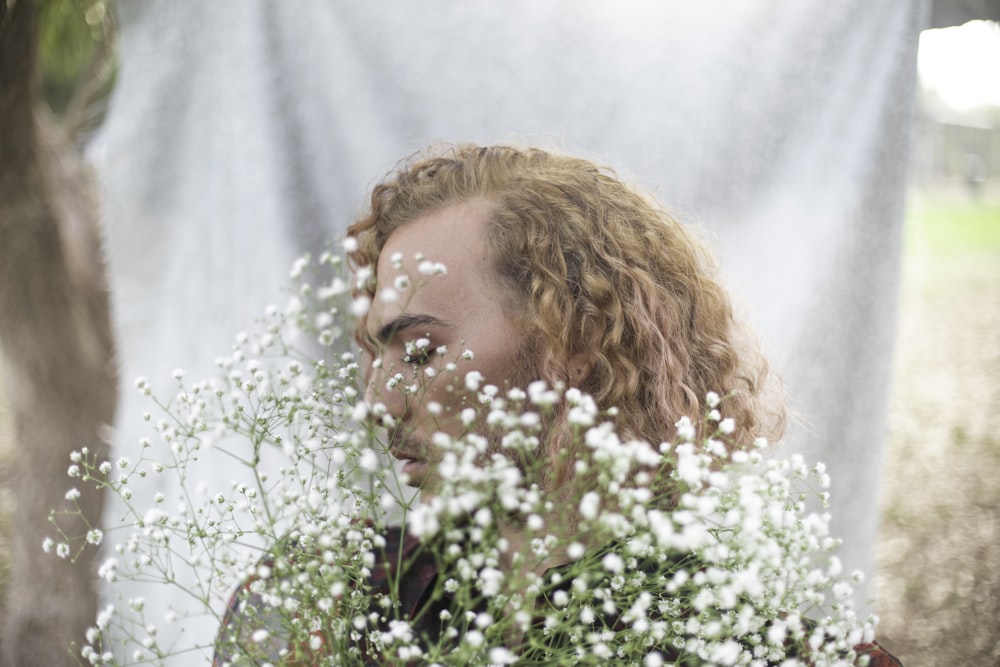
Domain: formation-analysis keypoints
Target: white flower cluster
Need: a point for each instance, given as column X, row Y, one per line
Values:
column 647, row 554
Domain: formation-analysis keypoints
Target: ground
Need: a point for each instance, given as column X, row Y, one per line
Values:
column 937, row 586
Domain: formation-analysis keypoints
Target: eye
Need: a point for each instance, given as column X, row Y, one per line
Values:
column 420, row 358
column 418, row 352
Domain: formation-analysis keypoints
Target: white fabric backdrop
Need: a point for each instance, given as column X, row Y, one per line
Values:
column 242, row 134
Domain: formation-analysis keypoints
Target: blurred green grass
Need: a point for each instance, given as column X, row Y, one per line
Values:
column 946, row 225
column 937, row 584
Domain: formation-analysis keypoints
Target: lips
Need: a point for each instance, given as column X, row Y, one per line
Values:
column 407, row 458
column 406, row 451
column 414, row 470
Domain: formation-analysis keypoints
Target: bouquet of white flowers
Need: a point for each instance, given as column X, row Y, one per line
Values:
column 674, row 553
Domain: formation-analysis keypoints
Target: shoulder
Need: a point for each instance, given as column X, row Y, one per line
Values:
column 877, row 656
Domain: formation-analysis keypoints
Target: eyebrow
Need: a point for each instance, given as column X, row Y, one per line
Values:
column 404, row 322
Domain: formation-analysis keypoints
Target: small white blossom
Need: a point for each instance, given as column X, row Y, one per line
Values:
column 298, row 267
column 104, row 617
column 654, row 659
column 685, row 429
column 472, row 380
column 360, row 306
column 108, row 570
column 612, row 562
column 429, row 268
column 501, row 656
column 369, row 461
column 589, row 505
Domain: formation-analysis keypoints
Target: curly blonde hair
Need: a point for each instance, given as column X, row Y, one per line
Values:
column 598, row 272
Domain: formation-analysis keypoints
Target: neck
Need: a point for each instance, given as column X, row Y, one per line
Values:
column 521, row 558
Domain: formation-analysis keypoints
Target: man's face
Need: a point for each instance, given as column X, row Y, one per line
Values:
column 422, row 330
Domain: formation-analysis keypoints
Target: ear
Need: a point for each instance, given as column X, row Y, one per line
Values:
column 578, row 368
column 572, row 372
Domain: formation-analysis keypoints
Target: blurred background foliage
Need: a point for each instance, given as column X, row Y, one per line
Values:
column 77, row 72
column 937, row 585
column 76, row 43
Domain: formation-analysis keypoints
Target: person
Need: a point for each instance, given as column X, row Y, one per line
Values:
column 551, row 268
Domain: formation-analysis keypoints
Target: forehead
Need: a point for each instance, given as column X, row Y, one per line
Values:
column 457, row 232
column 454, row 236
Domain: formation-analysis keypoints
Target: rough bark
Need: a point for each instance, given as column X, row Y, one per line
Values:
column 56, row 342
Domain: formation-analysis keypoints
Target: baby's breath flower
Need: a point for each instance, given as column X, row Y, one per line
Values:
column 369, row 461
column 589, row 505
column 104, row 617
column 298, row 267
column 360, row 306
column 685, row 429
column 142, row 385
column 108, row 570
column 678, row 552
column 576, row 550
column 429, row 268
column 472, row 380
column 613, row 563
column 500, row 655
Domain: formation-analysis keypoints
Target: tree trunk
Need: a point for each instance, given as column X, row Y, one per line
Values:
column 55, row 339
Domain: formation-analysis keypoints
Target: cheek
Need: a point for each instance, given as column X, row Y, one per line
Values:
column 379, row 389
column 407, row 391
column 513, row 365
